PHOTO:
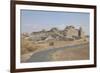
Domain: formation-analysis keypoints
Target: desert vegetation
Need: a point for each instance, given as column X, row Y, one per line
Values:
column 42, row 40
column 81, row 53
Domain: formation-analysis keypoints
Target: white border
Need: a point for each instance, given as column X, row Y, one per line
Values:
column 52, row 64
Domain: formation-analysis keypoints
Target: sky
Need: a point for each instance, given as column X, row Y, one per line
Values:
column 35, row 20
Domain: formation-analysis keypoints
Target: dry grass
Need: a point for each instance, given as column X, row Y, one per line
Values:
column 28, row 46
column 72, row 54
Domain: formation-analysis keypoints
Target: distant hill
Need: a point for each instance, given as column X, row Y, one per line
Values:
column 70, row 32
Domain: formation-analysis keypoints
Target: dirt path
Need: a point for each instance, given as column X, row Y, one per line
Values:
column 71, row 53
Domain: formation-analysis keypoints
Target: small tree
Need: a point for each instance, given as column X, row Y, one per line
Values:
column 51, row 43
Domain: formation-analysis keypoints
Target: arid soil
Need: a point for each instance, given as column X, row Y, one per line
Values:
column 68, row 54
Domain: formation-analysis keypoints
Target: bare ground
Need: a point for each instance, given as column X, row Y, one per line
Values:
column 69, row 53
column 72, row 54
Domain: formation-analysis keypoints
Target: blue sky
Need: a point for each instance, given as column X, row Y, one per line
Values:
column 32, row 20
